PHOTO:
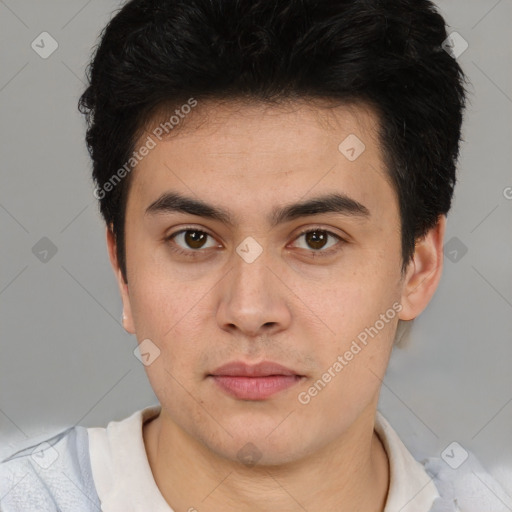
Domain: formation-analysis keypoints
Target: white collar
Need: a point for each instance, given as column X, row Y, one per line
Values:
column 411, row 489
column 125, row 483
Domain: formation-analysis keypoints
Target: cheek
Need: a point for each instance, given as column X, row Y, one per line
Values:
column 346, row 302
column 170, row 321
column 350, row 375
column 173, row 313
column 361, row 315
column 152, row 304
column 159, row 294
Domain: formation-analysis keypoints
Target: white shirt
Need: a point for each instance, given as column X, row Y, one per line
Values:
column 90, row 469
column 124, row 480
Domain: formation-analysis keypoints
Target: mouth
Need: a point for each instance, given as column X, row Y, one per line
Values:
column 254, row 382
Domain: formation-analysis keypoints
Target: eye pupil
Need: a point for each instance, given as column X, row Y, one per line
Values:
column 316, row 239
column 195, row 239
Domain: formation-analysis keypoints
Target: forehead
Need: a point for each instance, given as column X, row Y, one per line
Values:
column 257, row 126
column 232, row 151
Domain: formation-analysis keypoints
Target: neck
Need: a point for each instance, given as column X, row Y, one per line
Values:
column 349, row 474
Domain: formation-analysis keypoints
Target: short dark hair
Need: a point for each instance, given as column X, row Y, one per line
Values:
column 385, row 53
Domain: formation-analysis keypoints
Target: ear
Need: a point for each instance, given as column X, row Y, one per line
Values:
column 423, row 271
column 123, row 286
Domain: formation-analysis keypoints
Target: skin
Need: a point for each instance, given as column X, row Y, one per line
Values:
column 291, row 305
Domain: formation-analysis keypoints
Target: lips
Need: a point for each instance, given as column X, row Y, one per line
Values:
column 254, row 382
column 263, row 369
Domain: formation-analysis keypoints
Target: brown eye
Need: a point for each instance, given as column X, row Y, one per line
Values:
column 317, row 240
column 191, row 240
column 195, row 239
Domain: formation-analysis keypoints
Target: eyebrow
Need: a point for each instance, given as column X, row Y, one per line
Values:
column 171, row 202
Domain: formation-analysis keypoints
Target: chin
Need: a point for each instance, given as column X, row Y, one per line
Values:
column 261, row 449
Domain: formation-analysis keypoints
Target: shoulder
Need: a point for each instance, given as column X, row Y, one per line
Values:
column 52, row 475
column 464, row 485
column 456, row 480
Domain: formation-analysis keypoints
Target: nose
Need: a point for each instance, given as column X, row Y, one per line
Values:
column 252, row 299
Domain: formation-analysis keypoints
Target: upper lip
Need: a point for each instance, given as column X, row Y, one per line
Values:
column 263, row 369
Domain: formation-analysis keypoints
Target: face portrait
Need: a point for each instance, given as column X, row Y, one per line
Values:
column 258, row 257
column 251, row 237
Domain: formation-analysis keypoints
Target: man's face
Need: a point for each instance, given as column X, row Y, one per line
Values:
column 257, row 291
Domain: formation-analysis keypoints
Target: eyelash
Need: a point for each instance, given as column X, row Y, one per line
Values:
column 193, row 253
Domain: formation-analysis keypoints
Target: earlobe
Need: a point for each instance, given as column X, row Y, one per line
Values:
column 423, row 271
column 123, row 286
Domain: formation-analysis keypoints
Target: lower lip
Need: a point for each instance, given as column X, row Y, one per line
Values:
column 255, row 388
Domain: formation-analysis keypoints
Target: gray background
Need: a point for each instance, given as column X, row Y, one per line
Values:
column 65, row 359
